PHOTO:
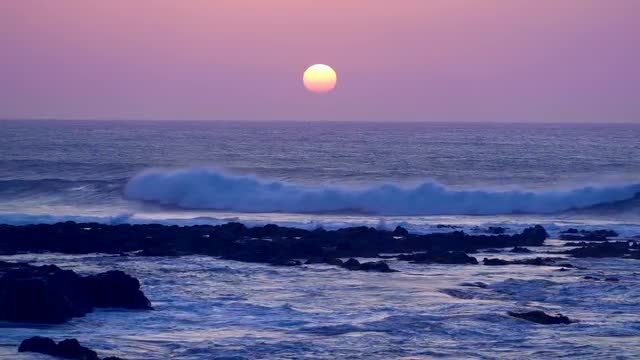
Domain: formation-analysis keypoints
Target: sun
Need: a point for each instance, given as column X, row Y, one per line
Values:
column 320, row 78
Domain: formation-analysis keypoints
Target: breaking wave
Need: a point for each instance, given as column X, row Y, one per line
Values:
column 203, row 188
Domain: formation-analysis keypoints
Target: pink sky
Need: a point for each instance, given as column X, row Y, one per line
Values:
column 435, row 60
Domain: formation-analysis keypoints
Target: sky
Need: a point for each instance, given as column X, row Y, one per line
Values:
column 404, row 60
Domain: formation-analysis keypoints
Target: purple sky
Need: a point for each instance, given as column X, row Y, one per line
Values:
column 435, row 60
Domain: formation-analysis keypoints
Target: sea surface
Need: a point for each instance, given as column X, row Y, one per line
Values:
column 331, row 174
column 208, row 308
column 327, row 174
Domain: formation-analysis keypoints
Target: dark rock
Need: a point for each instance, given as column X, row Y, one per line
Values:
column 566, row 265
column 590, row 278
column 535, row 236
column 541, row 318
column 612, row 279
column 45, row 294
column 492, row 251
column 495, row 262
column 573, row 243
column 400, row 231
column 496, row 230
column 477, row 284
column 577, row 237
column 39, row 344
column 537, row 261
column 269, row 244
column 280, row 261
column 601, row 250
column 324, row 260
column 351, row 264
column 603, row 233
column 520, row 250
column 113, row 358
column 453, row 257
column 71, row 349
column 379, row 266
column 334, row 261
column 115, row 289
column 445, row 226
column 315, row 260
column 48, row 294
column 68, row 349
column 438, row 257
column 586, row 235
column 158, row 251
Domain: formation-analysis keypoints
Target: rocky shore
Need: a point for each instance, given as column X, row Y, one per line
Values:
column 267, row 244
column 66, row 349
column 49, row 294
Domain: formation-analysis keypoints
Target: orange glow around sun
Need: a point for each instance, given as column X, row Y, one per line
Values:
column 320, row 78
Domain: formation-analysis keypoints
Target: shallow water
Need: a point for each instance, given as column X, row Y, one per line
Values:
column 206, row 308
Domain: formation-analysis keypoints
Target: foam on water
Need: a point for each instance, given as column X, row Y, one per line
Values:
column 209, row 308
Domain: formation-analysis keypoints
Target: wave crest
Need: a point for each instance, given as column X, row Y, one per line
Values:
column 202, row 188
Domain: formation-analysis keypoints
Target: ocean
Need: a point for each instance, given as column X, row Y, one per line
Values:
column 331, row 175
column 327, row 174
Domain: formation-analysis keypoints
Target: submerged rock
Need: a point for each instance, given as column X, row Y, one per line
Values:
column 71, row 349
column 324, row 260
column 537, row 261
column 400, row 231
column 379, row 266
column 496, row 230
column 351, row 264
column 445, row 257
column 39, row 344
column 602, row 250
column 586, row 235
column 520, row 250
column 48, row 294
column 495, row 262
column 67, row 349
column 541, row 317
column 478, row 284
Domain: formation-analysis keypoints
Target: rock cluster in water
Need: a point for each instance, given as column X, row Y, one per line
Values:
column 541, row 317
column 48, row 294
column 537, row 261
column 266, row 244
column 67, row 349
column 587, row 235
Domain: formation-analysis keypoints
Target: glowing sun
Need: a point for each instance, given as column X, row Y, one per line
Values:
column 320, row 78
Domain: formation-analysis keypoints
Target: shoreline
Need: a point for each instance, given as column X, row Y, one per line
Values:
column 341, row 250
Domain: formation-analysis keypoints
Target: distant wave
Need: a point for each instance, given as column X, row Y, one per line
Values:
column 202, row 188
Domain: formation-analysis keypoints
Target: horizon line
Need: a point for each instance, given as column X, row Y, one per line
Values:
column 520, row 122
